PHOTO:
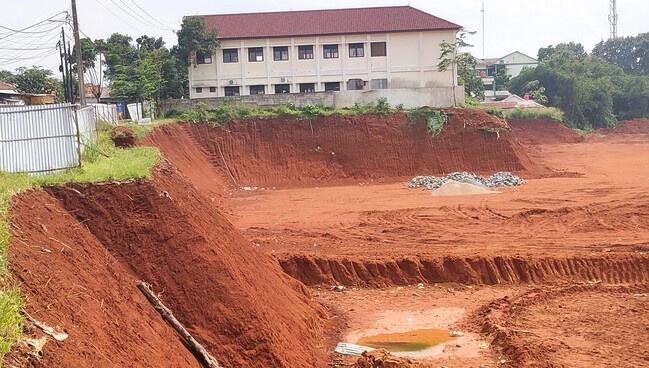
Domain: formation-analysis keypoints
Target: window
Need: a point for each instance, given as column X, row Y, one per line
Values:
column 305, row 52
column 307, row 87
column 212, row 89
column 379, row 49
column 355, row 84
column 280, row 53
column 203, row 59
column 330, row 51
column 257, row 90
column 232, row 91
column 379, row 83
column 282, row 88
column 199, row 90
column 255, row 54
column 332, row 86
column 230, row 56
column 356, row 50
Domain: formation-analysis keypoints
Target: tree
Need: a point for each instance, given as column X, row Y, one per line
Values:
column 629, row 53
column 7, row 76
column 565, row 50
column 536, row 92
column 465, row 64
column 194, row 39
column 36, row 80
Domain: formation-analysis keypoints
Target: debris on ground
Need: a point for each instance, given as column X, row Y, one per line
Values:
column 453, row 188
column 499, row 179
column 381, row 358
column 455, row 334
column 346, row 348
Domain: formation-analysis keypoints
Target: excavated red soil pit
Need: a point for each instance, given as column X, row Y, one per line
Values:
column 79, row 250
column 554, row 248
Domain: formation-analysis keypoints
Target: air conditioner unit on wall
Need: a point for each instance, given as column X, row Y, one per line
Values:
column 283, row 80
column 231, row 82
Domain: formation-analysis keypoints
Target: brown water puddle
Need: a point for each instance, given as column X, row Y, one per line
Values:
column 411, row 343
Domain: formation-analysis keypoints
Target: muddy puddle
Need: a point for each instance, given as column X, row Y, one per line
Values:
column 416, row 343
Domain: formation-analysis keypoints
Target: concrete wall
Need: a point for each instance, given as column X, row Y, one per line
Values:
column 260, row 101
column 409, row 98
column 410, row 62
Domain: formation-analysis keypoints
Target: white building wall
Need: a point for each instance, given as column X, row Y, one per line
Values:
column 411, row 62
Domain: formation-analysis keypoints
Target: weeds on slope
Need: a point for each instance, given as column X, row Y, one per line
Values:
column 545, row 113
column 435, row 119
column 102, row 162
column 225, row 112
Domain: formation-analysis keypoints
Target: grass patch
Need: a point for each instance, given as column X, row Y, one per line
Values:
column 101, row 162
column 545, row 113
column 435, row 119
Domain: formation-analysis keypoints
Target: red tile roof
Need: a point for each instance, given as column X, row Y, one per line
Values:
column 6, row 86
column 324, row 22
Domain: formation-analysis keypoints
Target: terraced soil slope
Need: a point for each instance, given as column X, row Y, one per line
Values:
column 79, row 250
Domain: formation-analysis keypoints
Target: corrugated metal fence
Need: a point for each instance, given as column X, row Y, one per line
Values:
column 44, row 138
column 107, row 113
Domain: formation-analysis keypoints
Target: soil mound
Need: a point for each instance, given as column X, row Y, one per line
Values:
column 69, row 280
column 289, row 152
column 122, row 137
column 635, row 126
column 231, row 297
column 454, row 188
column 535, row 132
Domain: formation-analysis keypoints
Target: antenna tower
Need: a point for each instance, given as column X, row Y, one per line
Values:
column 612, row 18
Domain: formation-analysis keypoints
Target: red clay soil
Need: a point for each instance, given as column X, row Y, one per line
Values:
column 288, row 152
column 576, row 326
column 635, row 126
column 231, row 297
column 190, row 160
column 535, row 132
column 68, row 279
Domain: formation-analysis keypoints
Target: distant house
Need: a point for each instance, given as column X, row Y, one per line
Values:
column 9, row 95
column 512, row 63
column 323, row 50
column 513, row 102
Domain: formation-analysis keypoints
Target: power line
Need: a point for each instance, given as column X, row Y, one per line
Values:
column 118, row 17
column 141, row 18
column 150, row 16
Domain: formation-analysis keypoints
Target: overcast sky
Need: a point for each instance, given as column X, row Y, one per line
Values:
column 510, row 25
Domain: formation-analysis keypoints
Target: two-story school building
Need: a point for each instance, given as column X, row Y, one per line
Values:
column 323, row 50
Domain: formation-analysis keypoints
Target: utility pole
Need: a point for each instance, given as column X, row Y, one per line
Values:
column 66, row 80
column 612, row 18
column 62, row 69
column 483, row 36
column 77, row 49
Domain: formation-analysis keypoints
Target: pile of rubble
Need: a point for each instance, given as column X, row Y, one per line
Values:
column 499, row 179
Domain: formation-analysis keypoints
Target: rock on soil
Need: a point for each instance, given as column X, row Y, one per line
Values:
column 122, row 137
column 383, row 359
column 499, row 179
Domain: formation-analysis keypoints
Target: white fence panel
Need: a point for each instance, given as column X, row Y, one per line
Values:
column 38, row 138
column 107, row 113
column 87, row 125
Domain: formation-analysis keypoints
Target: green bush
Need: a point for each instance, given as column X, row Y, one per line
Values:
column 545, row 113
column 435, row 119
column 382, row 106
column 495, row 111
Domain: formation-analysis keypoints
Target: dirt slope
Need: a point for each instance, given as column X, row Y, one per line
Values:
column 288, row 152
column 234, row 299
column 537, row 132
column 69, row 280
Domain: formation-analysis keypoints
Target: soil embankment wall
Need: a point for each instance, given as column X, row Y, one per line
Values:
column 631, row 269
column 235, row 300
column 289, row 152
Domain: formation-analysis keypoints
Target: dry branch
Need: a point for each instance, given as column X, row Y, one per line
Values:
column 194, row 345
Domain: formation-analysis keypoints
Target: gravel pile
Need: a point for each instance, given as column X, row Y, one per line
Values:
column 499, row 179
column 504, row 179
